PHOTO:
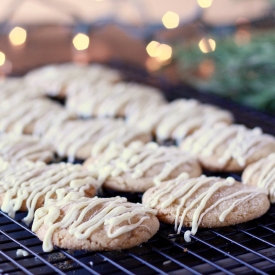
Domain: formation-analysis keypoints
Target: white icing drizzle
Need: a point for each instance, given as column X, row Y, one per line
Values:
column 136, row 159
column 110, row 100
column 69, row 77
column 21, row 252
column 266, row 175
column 15, row 148
column 109, row 213
column 240, row 141
column 178, row 119
column 41, row 113
column 28, row 182
column 70, row 136
column 182, row 191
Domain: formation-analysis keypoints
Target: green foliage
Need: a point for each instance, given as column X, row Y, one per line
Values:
column 244, row 73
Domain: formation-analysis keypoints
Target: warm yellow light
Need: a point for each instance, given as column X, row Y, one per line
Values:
column 17, row 36
column 207, row 45
column 205, row 3
column 164, row 52
column 152, row 48
column 2, row 58
column 81, row 41
column 170, row 20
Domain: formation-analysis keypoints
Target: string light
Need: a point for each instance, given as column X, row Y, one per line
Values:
column 81, row 41
column 205, row 3
column 18, row 36
column 207, row 45
column 2, row 58
column 170, row 20
column 164, row 52
column 152, row 48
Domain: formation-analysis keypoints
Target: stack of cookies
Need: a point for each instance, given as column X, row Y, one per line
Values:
column 118, row 131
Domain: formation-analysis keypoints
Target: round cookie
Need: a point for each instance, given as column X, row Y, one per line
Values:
column 28, row 186
column 113, row 100
column 81, row 139
column 139, row 166
column 262, row 174
column 94, row 224
column 228, row 148
column 205, row 202
column 15, row 148
column 57, row 80
column 32, row 117
column 178, row 119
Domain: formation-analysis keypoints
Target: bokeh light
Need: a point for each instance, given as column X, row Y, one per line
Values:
column 205, row 3
column 81, row 41
column 164, row 52
column 152, row 48
column 2, row 58
column 207, row 45
column 170, row 20
column 18, row 36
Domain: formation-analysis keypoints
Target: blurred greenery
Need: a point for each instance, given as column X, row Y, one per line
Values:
column 244, row 73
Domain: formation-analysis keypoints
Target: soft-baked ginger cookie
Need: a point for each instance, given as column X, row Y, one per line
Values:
column 82, row 138
column 139, row 166
column 113, row 100
column 32, row 116
column 228, row 147
column 57, row 80
column 205, row 202
column 15, row 148
column 94, row 224
column 178, row 119
column 262, row 175
column 28, row 186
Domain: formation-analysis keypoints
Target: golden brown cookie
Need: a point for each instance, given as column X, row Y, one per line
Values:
column 228, row 147
column 57, row 80
column 113, row 100
column 178, row 119
column 28, row 186
column 139, row 166
column 262, row 174
column 205, row 202
column 82, row 138
column 32, row 116
column 94, row 224
column 15, row 148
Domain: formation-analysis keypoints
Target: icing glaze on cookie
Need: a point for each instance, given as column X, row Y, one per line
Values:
column 241, row 142
column 136, row 159
column 110, row 213
column 41, row 113
column 178, row 119
column 111, row 100
column 189, row 189
column 266, row 179
column 15, row 148
column 70, row 136
column 28, row 182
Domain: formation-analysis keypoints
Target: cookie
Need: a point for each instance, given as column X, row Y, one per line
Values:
column 82, row 138
column 228, row 147
column 139, row 166
column 178, row 119
column 113, row 100
column 94, row 224
column 28, row 186
column 55, row 80
column 205, row 202
column 15, row 148
column 32, row 117
column 262, row 174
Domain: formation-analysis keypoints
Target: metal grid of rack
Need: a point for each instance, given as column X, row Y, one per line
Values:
column 247, row 248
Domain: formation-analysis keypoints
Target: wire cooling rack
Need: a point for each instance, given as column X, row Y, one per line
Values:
column 247, row 248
